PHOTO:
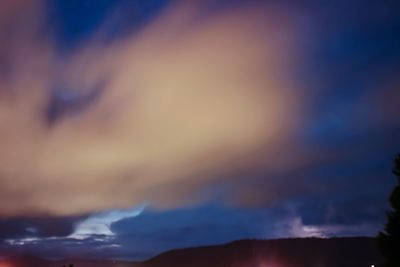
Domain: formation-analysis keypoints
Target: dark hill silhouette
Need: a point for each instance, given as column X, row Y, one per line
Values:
column 307, row 252
column 31, row 261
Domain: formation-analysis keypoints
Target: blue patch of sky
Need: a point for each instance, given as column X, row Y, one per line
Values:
column 75, row 21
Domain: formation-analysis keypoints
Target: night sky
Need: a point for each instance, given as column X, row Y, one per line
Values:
column 131, row 127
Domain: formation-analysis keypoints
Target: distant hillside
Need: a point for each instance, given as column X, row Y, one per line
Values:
column 29, row 261
column 308, row 252
column 301, row 252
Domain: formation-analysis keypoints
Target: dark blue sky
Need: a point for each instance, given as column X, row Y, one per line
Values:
column 337, row 167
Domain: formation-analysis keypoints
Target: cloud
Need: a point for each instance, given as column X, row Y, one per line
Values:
column 182, row 102
column 100, row 223
column 37, row 227
column 296, row 228
column 193, row 102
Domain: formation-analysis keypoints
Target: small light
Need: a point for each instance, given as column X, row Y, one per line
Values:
column 372, row 265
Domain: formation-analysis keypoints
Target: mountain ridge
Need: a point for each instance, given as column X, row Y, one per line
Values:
column 288, row 252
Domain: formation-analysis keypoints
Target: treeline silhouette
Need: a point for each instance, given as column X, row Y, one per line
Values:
column 389, row 238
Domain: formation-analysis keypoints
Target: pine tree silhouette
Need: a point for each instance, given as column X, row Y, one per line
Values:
column 389, row 239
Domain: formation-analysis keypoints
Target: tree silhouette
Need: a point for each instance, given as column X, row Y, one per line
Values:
column 389, row 239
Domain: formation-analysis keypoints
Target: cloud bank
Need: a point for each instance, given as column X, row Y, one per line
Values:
column 197, row 103
column 151, row 118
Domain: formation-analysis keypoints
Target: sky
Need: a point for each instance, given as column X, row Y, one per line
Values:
column 129, row 128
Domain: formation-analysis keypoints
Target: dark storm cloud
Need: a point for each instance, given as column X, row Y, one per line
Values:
column 21, row 227
column 352, row 68
column 352, row 211
column 92, row 247
column 156, row 231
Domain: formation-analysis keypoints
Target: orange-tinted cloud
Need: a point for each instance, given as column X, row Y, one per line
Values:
column 185, row 101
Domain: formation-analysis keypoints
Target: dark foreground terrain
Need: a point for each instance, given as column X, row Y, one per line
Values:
column 306, row 252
